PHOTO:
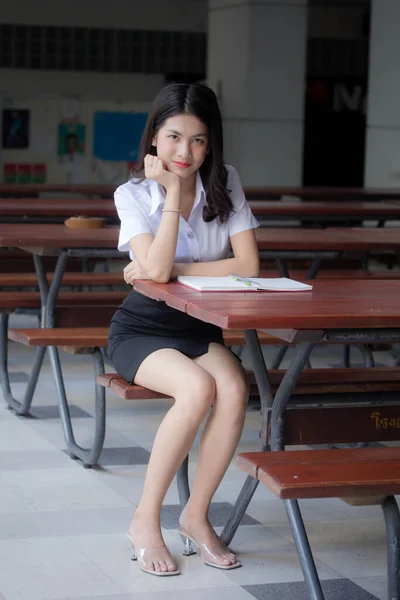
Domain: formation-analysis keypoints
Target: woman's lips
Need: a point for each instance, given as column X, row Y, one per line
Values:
column 182, row 165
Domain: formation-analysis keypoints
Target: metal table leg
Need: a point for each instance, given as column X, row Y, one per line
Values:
column 88, row 456
column 303, row 549
column 48, row 300
column 21, row 408
column 392, row 521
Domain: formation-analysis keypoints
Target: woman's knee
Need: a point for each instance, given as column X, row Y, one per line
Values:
column 233, row 391
column 197, row 391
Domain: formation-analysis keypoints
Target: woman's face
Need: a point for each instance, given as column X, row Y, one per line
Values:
column 182, row 144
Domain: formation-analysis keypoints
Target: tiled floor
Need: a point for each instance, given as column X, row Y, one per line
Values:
column 62, row 528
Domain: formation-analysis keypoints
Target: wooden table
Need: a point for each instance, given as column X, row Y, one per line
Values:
column 322, row 193
column 274, row 242
column 63, row 242
column 359, row 310
column 56, row 210
column 264, row 193
column 34, row 189
column 326, row 212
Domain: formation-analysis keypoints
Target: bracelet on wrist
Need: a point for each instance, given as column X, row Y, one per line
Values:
column 177, row 210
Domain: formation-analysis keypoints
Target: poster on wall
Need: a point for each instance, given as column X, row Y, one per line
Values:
column 24, row 173
column 10, row 173
column 15, row 128
column 71, row 150
column 71, row 139
column 39, row 172
column 117, row 135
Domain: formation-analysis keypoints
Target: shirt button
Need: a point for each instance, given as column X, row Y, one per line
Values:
column 195, row 259
column 190, row 234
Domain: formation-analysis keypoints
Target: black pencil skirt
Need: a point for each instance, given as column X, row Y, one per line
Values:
column 141, row 326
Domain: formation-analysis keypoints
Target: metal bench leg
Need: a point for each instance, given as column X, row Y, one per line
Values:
column 266, row 399
column 303, row 549
column 279, row 356
column 182, row 480
column 346, row 356
column 392, row 522
column 241, row 504
column 90, row 456
column 367, row 354
column 21, row 408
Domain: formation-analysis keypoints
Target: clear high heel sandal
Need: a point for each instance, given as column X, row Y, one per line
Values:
column 140, row 555
column 191, row 546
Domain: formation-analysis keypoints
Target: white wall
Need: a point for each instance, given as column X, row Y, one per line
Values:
column 170, row 15
column 382, row 164
column 41, row 92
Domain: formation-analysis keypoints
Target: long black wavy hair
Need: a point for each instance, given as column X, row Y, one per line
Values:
column 199, row 101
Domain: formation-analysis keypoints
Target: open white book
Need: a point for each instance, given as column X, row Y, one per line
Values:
column 233, row 283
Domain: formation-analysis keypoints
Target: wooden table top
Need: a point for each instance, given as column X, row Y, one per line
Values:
column 322, row 193
column 330, row 305
column 338, row 239
column 268, row 238
column 86, row 189
column 323, row 209
column 105, row 207
column 40, row 235
column 337, row 193
column 59, row 207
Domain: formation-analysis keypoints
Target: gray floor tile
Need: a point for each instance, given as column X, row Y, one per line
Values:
column 18, row 377
column 22, row 460
column 52, row 412
column 124, row 456
column 107, row 597
column 334, row 589
column 236, row 593
column 218, row 514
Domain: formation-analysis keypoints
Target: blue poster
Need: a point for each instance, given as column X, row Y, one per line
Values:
column 116, row 136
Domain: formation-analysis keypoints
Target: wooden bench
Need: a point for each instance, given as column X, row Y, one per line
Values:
column 21, row 280
column 338, row 387
column 373, row 473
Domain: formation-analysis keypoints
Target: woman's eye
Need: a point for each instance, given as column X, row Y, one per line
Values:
column 198, row 140
column 173, row 136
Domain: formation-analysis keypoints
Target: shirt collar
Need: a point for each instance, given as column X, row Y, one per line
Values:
column 157, row 193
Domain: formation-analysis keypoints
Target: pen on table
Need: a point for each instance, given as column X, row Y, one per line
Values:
column 242, row 280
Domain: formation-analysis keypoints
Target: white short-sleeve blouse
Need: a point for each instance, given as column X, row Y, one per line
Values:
column 139, row 207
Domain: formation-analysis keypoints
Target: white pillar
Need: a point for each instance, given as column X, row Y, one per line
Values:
column 256, row 65
column 382, row 158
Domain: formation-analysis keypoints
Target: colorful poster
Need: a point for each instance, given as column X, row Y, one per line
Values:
column 39, row 173
column 71, row 139
column 10, row 172
column 24, row 173
column 15, row 128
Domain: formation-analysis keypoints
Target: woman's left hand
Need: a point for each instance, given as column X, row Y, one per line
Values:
column 134, row 271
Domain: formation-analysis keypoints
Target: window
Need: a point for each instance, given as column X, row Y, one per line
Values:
column 108, row 50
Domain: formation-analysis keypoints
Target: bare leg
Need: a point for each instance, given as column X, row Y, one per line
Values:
column 217, row 446
column 193, row 388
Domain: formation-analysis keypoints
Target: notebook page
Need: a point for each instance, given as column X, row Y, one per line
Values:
column 280, row 284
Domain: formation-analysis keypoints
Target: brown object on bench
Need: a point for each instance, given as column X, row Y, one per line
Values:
column 85, row 222
column 325, row 473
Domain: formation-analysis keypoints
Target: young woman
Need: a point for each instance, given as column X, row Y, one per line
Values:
column 180, row 215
